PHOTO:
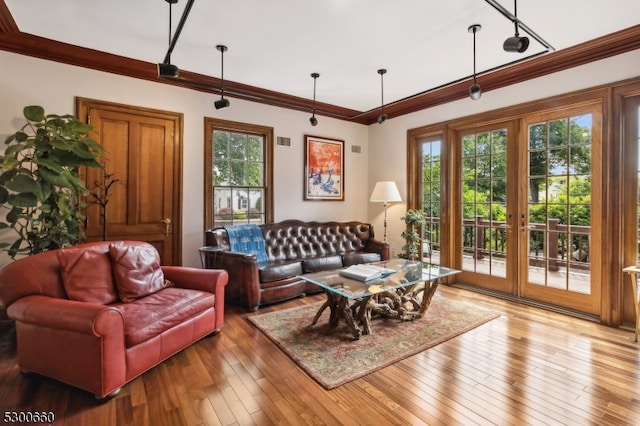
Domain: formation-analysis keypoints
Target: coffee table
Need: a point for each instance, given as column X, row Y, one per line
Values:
column 403, row 295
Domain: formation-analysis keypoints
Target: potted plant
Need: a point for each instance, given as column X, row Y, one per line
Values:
column 413, row 220
column 41, row 193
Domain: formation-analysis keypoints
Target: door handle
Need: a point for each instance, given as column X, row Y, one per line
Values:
column 167, row 224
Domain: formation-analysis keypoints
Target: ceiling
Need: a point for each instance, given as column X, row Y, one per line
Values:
column 277, row 44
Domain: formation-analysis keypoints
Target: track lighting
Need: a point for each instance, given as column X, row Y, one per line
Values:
column 313, row 120
column 222, row 103
column 516, row 43
column 474, row 90
column 166, row 69
column 382, row 117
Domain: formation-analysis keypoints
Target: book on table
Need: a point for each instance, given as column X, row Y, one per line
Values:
column 366, row 272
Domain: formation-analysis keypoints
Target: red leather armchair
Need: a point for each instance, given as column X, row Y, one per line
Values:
column 73, row 327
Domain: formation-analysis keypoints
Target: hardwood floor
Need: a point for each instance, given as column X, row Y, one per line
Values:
column 529, row 366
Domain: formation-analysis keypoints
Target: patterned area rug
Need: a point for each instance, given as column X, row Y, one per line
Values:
column 333, row 357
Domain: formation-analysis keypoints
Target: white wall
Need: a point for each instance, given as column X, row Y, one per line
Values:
column 387, row 142
column 27, row 81
column 30, row 81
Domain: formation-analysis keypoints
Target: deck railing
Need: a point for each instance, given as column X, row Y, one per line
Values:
column 566, row 243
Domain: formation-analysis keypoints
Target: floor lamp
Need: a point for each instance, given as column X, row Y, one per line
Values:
column 385, row 192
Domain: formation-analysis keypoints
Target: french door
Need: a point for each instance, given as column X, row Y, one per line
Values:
column 529, row 213
column 486, row 245
column 560, row 208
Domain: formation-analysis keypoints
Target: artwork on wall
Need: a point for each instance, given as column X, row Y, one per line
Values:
column 323, row 169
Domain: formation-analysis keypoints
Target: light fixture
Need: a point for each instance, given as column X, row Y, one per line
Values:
column 385, row 192
column 166, row 69
column 222, row 103
column 382, row 117
column 516, row 43
column 474, row 90
column 313, row 120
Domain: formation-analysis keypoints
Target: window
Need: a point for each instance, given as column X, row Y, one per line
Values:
column 431, row 169
column 238, row 173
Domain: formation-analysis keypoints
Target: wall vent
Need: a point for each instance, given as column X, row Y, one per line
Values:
column 282, row 141
column 356, row 148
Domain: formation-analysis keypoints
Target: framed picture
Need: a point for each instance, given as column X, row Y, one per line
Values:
column 323, row 169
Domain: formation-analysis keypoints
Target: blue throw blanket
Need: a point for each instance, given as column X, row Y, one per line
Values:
column 247, row 239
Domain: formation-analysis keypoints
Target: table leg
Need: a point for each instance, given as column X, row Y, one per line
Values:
column 339, row 307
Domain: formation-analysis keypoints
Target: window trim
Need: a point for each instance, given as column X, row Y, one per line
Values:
column 211, row 124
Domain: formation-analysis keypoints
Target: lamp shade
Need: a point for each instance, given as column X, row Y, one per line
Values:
column 385, row 191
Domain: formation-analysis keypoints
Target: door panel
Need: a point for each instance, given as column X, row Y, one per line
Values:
column 143, row 156
column 560, row 219
column 486, row 247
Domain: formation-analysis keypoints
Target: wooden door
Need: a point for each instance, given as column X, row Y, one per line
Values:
column 560, row 219
column 143, row 157
column 486, row 246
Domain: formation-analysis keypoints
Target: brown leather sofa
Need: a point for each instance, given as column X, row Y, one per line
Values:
column 293, row 247
column 97, row 315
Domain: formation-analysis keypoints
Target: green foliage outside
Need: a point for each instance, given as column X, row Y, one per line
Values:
column 41, row 194
column 559, row 175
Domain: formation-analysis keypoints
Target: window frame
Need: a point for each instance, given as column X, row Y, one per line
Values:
column 213, row 124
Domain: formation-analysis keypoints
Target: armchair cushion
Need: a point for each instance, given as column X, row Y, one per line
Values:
column 86, row 274
column 137, row 271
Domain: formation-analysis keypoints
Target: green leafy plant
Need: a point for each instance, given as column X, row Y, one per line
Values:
column 41, row 193
column 413, row 220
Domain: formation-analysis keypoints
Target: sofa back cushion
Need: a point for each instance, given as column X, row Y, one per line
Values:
column 87, row 275
column 296, row 239
column 136, row 269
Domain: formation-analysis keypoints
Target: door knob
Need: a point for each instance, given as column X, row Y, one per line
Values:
column 167, row 224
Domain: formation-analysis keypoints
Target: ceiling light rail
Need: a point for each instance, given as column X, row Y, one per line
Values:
column 166, row 69
column 513, row 18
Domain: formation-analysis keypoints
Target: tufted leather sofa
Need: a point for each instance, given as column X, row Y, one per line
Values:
column 293, row 247
column 97, row 315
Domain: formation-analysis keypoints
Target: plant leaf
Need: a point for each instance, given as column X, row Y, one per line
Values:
column 23, row 200
column 34, row 113
column 23, row 183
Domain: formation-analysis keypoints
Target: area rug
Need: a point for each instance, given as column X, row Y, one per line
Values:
column 332, row 356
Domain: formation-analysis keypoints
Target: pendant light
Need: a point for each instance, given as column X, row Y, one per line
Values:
column 313, row 120
column 516, row 43
column 474, row 90
column 382, row 117
column 222, row 103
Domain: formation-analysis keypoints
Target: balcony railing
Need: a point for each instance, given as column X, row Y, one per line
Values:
column 565, row 243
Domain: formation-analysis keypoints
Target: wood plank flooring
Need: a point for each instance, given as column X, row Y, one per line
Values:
column 530, row 366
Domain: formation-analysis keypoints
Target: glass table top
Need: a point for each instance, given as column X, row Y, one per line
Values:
column 408, row 272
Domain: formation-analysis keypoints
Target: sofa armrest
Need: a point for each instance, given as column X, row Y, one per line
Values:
column 68, row 315
column 380, row 247
column 209, row 280
column 244, row 282
column 78, row 343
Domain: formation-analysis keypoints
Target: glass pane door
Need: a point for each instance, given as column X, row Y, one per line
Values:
column 486, row 250
column 557, row 226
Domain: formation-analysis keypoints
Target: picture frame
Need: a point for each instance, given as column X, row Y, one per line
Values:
column 323, row 169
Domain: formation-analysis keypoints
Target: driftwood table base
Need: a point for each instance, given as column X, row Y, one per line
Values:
column 404, row 303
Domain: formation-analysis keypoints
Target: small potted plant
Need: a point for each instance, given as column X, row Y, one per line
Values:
column 413, row 220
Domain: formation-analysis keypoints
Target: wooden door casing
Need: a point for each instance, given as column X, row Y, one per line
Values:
column 143, row 152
